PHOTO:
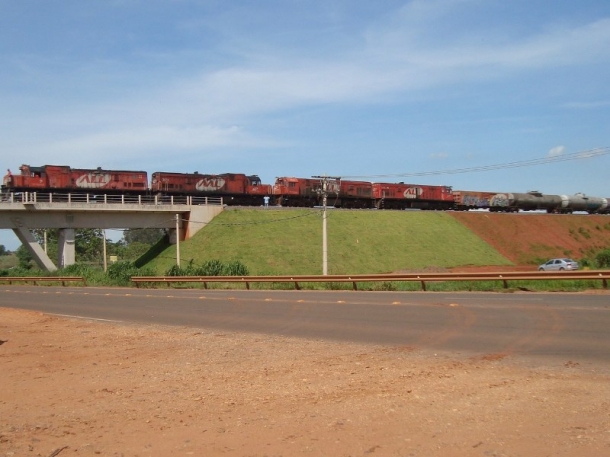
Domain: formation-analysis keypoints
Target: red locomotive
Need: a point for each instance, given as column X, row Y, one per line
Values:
column 63, row 178
column 352, row 194
column 297, row 191
column 307, row 192
column 235, row 189
column 404, row 196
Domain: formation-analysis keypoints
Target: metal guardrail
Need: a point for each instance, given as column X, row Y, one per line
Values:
column 422, row 278
column 36, row 279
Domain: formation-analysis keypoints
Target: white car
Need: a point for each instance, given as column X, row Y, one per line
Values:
column 559, row 265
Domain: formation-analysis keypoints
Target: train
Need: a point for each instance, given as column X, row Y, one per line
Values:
column 248, row 190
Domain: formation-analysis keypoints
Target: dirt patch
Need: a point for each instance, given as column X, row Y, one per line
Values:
column 79, row 388
column 530, row 238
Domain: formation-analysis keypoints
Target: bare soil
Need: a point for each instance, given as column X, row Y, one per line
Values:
column 83, row 388
column 529, row 239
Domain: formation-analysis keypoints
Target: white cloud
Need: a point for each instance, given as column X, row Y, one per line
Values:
column 556, row 151
column 438, row 155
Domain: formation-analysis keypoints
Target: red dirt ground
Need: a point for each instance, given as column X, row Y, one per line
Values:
column 74, row 387
column 529, row 239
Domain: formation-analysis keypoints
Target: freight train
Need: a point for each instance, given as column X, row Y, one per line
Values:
column 242, row 189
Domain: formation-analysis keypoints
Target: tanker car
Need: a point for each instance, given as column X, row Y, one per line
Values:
column 536, row 201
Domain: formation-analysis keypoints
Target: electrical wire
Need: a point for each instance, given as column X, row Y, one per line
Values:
column 588, row 154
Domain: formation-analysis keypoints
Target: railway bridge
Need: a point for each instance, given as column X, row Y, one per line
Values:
column 182, row 216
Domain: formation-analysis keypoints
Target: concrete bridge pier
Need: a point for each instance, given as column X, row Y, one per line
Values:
column 66, row 250
column 40, row 257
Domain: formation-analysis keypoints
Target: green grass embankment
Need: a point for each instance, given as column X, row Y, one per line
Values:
column 278, row 242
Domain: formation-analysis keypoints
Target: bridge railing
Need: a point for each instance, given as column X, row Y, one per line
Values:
column 422, row 278
column 106, row 199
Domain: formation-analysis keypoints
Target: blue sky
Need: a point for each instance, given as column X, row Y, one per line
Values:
column 300, row 88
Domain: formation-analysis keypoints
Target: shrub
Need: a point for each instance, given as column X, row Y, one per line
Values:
column 209, row 268
column 121, row 272
column 236, row 268
column 77, row 269
column 212, row 268
column 602, row 259
column 174, row 270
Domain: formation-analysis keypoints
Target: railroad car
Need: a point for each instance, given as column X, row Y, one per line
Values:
column 234, row 188
column 562, row 204
column 471, row 199
column 290, row 191
column 404, row 196
column 582, row 202
column 351, row 194
column 49, row 178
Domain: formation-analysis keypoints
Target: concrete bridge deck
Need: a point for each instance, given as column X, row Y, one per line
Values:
column 182, row 216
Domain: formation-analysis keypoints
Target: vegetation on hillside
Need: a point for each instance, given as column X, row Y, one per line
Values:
column 277, row 242
column 290, row 242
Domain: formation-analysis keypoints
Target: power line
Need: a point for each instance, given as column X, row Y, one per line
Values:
column 588, row 154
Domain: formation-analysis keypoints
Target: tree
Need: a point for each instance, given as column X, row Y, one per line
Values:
column 603, row 259
column 3, row 250
column 89, row 245
column 24, row 258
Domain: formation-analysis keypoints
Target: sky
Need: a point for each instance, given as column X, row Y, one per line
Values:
column 383, row 90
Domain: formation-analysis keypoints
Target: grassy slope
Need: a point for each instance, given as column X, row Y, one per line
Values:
column 290, row 242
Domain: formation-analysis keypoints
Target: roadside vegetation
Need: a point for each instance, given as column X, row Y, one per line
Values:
column 245, row 242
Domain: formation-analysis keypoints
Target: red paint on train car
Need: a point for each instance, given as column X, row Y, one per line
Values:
column 64, row 178
column 115, row 180
column 234, row 188
column 350, row 194
column 289, row 191
column 403, row 196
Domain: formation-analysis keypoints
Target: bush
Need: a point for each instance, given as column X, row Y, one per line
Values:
column 121, row 272
column 209, row 268
column 602, row 259
column 78, row 269
column 213, row 268
column 236, row 268
column 585, row 263
column 175, row 270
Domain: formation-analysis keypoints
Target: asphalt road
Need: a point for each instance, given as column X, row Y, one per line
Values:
column 570, row 326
